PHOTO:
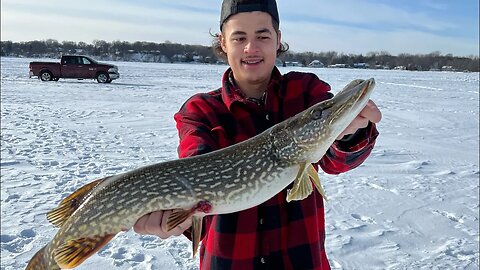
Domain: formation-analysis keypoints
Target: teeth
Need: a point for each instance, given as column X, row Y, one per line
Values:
column 252, row 62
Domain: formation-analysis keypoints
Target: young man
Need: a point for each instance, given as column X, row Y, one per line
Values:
column 253, row 97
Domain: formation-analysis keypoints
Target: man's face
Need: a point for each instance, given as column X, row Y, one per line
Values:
column 251, row 45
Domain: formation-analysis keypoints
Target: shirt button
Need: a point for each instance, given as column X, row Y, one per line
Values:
column 262, row 260
column 267, row 117
column 260, row 221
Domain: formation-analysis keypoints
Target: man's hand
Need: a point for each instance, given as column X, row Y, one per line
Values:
column 370, row 113
column 155, row 223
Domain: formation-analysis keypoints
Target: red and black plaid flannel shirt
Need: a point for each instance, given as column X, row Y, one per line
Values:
column 276, row 234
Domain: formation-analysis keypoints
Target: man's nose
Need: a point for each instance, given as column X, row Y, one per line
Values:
column 251, row 46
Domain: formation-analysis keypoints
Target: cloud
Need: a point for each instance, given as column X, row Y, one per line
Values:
column 349, row 26
column 106, row 20
column 364, row 13
column 317, row 37
column 434, row 5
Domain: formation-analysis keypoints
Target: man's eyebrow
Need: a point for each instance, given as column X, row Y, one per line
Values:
column 260, row 31
column 238, row 33
column 263, row 31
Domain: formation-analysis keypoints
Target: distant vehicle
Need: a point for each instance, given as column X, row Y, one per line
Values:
column 75, row 67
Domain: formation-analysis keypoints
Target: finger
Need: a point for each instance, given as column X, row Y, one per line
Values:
column 178, row 230
column 182, row 227
column 139, row 226
column 187, row 223
column 152, row 226
column 371, row 112
column 357, row 123
column 164, row 220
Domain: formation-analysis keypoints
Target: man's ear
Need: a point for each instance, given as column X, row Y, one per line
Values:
column 222, row 40
column 279, row 39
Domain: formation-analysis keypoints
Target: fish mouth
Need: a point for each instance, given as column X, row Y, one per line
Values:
column 355, row 95
column 347, row 104
column 370, row 83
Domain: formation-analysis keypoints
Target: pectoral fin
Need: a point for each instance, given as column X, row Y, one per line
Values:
column 301, row 186
column 196, row 233
column 316, row 180
column 74, row 252
column 177, row 218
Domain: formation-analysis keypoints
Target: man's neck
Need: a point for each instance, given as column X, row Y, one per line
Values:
column 253, row 90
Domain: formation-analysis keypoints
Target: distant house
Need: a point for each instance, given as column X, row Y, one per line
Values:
column 293, row 64
column 316, row 64
column 179, row 58
column 338, row 66
column 197, row 58
column 381, row 67
column 447, row 68
column 77, row 51
column 361, row 65
column 147, row 57
column 221, row 62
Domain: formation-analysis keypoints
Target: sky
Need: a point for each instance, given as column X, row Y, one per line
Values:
column 345, row 26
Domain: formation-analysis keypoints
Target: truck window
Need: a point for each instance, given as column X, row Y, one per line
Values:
column 85, row 61
column 70, row 60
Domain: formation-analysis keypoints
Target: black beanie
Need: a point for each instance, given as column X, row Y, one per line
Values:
column 232, row 7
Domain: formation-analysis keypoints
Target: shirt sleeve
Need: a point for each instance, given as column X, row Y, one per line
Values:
column 349, row 152
column 194, row 131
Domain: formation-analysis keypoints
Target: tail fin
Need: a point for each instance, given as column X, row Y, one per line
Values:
column 40, row 262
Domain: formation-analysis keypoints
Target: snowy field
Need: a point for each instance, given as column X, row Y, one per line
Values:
column 414, row 204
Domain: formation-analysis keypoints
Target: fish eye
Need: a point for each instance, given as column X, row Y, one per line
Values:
column 316, row 114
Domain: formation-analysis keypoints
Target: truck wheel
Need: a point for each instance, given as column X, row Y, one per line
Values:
column 46, row 76
column 102, row 77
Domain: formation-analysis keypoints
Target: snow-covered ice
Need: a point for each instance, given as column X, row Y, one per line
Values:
column 414, row 204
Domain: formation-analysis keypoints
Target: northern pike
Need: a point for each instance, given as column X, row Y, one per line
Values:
column 228, row 180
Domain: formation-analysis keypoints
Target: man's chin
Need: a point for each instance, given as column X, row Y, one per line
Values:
column 257, row 79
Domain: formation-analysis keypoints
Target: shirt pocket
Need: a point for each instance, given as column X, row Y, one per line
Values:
column 221, row 137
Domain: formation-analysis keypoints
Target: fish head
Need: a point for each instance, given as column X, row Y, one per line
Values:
column 308, row 135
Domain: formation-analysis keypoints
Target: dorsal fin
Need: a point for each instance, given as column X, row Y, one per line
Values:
column 59, row 215
column 74, row 252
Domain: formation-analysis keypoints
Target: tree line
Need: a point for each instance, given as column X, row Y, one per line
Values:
column 175, row 52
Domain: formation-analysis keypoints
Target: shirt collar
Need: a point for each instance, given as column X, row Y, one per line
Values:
column 231, row 93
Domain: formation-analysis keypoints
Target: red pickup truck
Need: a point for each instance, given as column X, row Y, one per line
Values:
column 74, row 66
